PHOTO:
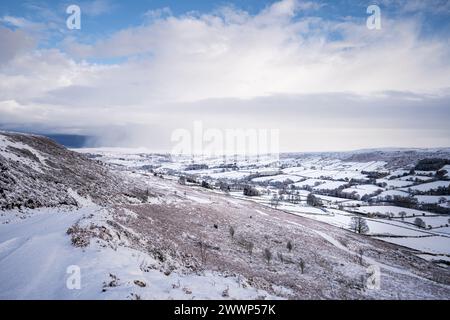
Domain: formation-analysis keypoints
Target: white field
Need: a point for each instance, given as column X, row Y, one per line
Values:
column 392, row 209
column 278, row 178
column 428, row 186
column 309, row 183
column 333, row 199
column 330, row 185
column 431, row 199
column 437, row 221
column 392, row 193
column 397, row 173
column 376, row 227
column 362, row 190
column 395, row 183
column 433, row 244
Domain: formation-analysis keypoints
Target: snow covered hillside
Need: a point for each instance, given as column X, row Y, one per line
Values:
column 73, row 228
column 37, row 172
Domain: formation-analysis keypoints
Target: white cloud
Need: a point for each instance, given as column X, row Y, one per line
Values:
column 192, row 58
column 279, row 66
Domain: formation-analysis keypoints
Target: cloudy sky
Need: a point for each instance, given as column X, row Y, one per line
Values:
column 137, row 70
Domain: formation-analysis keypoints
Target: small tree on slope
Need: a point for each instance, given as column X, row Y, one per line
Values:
column 359, row 225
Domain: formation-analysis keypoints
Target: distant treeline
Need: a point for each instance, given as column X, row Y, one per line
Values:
column 431, row 164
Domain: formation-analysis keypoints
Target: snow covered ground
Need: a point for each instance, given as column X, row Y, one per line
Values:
column 428, row 186
column 324, row 175
column 387, row 210
column 37, row 261
column 395, row 183
column 392, row 193
column 133, row 235
column 363, row 190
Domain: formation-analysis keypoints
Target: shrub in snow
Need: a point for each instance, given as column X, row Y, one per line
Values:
column 80, row 237
column 289, row 246
column 140, row 283
column 206, row 185
column 246, row 244
column 360, row 256
column 250, row 191
column 203, row 252
column 267, row 255
column 280, row 256
column 301, row 264
column 274, row 201
column 313, row 200
column 113, row 283
column 231, row 231
column 225, row 293
column 420, row 223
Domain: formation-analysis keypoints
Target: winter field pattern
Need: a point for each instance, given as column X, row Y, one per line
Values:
column 126, row 224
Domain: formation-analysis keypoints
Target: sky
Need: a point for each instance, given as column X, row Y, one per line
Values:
column 137, row 71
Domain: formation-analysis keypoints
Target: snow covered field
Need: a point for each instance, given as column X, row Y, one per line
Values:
column 325, row 176
column 428, row 186
column 130, row 229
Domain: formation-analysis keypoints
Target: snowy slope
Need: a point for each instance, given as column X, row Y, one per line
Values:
column 36, row 256
column 37, row 172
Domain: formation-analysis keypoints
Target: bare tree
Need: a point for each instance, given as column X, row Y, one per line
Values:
column 402, row 214
column 289, row 246
column 301, row 264
column 359, row 225
column 250, row 247
column 267, row 255
column 360, row 256
column 203, row 251
column 231, row 230
column 274, row 201
column 280, row 257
